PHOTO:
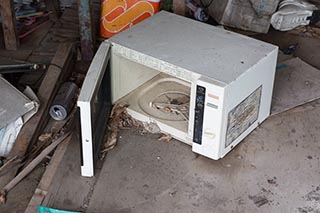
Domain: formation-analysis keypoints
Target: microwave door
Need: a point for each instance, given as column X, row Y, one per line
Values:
column 94, row 104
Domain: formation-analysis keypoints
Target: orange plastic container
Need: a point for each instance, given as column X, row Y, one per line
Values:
column 118, row 15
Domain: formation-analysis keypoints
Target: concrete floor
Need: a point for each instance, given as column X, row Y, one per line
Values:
column 275, row 169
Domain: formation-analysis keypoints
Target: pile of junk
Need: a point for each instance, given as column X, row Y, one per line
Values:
column 256, row 16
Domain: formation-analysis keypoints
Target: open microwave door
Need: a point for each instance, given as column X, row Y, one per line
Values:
column 94, row 104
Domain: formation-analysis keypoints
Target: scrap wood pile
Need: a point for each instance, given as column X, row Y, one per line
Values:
column 67, row 28
column 27, row 150
column 46, row 143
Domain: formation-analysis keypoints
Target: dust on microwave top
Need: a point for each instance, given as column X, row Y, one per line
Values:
column 198, row 47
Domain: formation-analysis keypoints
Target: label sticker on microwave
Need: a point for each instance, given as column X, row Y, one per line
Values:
column 210, row 95
column 243, row 116
column 212, row 105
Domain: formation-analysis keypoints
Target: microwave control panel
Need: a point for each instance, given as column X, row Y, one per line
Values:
column 199, row 112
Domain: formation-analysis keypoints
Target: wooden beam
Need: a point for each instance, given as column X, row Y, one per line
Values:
column 31, row 130
column 8, row 16
column 54, row 7
column 33, row 164
column 47, row 90
column 87, row 34
column 47, row 178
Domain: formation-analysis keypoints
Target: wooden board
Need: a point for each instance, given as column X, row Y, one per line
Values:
column 47, row 178
column 9, row 24
column 50, row 84
column 54, row 7
column 31, row 130
column 36, row 37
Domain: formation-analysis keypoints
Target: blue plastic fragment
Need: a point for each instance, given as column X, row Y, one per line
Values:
column 43, row 209
column 281, row 66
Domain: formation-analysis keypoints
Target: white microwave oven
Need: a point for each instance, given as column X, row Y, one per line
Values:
column 203, row 85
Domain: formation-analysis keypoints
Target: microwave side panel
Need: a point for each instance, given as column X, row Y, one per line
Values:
column 209, row 108
column 248, row 102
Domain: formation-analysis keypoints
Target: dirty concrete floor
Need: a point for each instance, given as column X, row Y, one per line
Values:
column 275, row 169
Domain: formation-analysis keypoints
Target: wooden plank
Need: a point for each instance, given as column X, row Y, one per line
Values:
column 54, row 7
column 36, row 37
column 9, row 24
column 46, row 180
column 20, row 56
column 47, row 90
column 86, row 29
column 31, row 130
column 32, row 165
column 49, row 85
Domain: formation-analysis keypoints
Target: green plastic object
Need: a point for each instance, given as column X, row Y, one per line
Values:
column 42, row 209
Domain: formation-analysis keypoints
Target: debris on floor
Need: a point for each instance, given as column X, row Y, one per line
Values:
column 43, row 209
column 289, row 50
column 119, row 119
column 37, row 155
column 165, row 137
column 22, row 174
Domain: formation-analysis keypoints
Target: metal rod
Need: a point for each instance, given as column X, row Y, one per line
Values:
column 18, row 68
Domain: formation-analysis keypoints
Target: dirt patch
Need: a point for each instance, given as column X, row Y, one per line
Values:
column 259, row 200
column 314, row 195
